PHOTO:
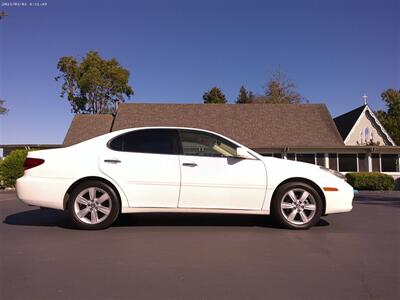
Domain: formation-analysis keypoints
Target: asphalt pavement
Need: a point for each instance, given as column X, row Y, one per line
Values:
column 201, row 256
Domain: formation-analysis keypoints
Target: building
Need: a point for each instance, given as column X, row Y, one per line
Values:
column 360, row 127
column 302, row 132
column 352, row 142
column 11, row 147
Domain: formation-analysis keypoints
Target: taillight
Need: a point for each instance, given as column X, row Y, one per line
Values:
column 32, row 162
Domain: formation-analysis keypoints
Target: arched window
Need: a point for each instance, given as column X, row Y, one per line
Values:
column 366, row 134
column 361, row 137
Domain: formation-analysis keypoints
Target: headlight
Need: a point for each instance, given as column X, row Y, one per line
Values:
column 333, row 172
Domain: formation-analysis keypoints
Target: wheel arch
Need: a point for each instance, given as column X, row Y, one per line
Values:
column 306, row 181
column 79, row 181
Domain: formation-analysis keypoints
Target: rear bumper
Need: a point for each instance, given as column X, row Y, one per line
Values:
column 45, row 192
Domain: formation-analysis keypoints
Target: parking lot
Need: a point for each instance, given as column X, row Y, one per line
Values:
column 201, row 256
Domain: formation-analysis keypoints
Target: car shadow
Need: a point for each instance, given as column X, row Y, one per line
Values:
column 40, row 217
column 57, row 218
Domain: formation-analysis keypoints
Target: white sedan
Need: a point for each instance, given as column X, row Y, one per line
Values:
column 169, row 169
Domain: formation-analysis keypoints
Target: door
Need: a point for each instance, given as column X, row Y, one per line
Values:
column 146, row 166
column 212, row 177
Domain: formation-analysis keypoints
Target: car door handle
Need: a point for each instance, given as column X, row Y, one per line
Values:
column 112, row 161
column 189, row 165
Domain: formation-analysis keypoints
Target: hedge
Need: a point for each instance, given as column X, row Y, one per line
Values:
column 370, row 181
column 12, row 167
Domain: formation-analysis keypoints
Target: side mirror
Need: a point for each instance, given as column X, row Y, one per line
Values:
column 243, row 153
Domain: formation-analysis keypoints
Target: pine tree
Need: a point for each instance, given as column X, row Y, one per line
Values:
column 244, row 96
column 215, row 95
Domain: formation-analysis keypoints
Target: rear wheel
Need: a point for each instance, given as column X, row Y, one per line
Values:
column 296, row 205
column 93, row 205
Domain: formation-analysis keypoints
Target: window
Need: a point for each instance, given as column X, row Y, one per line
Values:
column 306, row 157
column 291, row 156
column 117, row 143
column 390, row 162
column 321, row 159
column 375, row 162
column 362, row 162
column 205, row 144
column 333, row 161
column 348, row 162
column 157, row 141
column 278, row 155
column 366, row 135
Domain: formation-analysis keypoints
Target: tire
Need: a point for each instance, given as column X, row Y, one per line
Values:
column 296, row 205
column 93, row 205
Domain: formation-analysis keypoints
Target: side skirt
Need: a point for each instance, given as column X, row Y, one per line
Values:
column 125, row 210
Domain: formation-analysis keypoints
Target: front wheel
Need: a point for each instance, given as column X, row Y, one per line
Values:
column 296, row 205
column 93, row 205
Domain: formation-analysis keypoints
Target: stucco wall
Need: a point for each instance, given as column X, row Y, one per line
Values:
column 366, row 121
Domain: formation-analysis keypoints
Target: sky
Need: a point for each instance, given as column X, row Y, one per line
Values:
column 334, row 51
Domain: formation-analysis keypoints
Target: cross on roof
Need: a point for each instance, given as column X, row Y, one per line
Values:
column 365, row 97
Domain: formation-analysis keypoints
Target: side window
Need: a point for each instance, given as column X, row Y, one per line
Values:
column 205, row 144
column 157, row 141
column 117, row 143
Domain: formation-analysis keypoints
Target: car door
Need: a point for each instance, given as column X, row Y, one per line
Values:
column 146, row 165
column 212, row 177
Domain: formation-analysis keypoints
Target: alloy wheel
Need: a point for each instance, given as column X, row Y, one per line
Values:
column 298, row 206
column 92, row 205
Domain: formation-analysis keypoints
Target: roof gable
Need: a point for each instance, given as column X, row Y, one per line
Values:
column 379, row 124
column 346, row 122
column 352, row 123
column 254, row 125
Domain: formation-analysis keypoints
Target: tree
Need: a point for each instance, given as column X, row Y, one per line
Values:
column 2, row 15
column 3, row 110
column 93, row 85
column 390, row 119
column 244, row 96
column 279, row 90
column 215, row 95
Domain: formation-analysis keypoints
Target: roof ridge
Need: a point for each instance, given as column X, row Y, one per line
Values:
column 223, row 104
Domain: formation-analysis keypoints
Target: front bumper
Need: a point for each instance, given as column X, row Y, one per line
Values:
column 341, row 200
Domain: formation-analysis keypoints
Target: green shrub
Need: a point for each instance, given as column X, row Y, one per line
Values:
column 12, row 167
column 370, row 181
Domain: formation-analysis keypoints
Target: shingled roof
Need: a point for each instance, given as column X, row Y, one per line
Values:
column 255, row 125
column 84, row 127
column 345, row 122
